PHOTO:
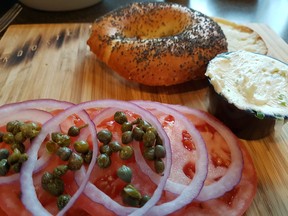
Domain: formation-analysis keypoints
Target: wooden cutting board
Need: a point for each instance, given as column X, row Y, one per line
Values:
column 53, row 61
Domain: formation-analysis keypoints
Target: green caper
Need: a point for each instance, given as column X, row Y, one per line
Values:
column 144, row 200
column 51, row 146
column 143, row 125
column 126, row 126
column 20, row 146
column 14, row 157
column 132, row 191
column 4, row 167
column 149, row 153
column 30, row 130
column 104, row 136
column 152, row 129
column 137, row 133
column 16, row 167
column 115, row 146
column 23, row 157
column 63, row 140
column 159, row 166
column 53, row 184
column 120, row 117
column 126, row 152
column 88, row 157
column 128, row 200
column 160, row 151
column 8, row 138
column 149, row 138
column 103, row 161
column 60, row 170
column 4, row 153
column 125, row 173
column 75, row 162
column 75, row 131
column 19, row 137
column 63, row 200
column 64, row 153
column 14, row 126
column 105, row 149
column 81, row 146
column 127, row 137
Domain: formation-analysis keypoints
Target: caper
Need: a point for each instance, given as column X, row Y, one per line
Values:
column 126, row 126
column 8, row 138
column 143, row 125
column 64, row 153
column 144, row 200
column 20, row 146
column 127, row 137
column 75, row 162
column 103, row 161
column 137, row 133
column 88, row 157
column 159, row 166
column 60, row 170
column 128, row 200
column 14, row 157
column 53, row 184
column 149, row 153
column 149, row 138
column 105, row 149
column 63, row 200
column 4, row 167
column 16, row 167
column 30, row 130
column 4, row 153
column 126, row 152
column 75, row 131
column 19, row 137
column 132, row 191
column 125, row 173
column 51, row 146
column 158, row 140
column 63, row 140
column 81, row 146
column 120, row 117
column 152, row 129
column 23, row 157
column 104, row 136
column 160, row 151
column 14, row 126
column 115, row 146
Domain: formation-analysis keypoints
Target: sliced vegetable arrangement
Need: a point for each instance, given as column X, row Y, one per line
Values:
column 120, row 158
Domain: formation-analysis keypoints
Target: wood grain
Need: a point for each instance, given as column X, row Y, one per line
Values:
column 53, row 61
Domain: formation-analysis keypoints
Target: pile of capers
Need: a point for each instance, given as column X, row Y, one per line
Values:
column 60, row 144
column 17, row 132
column 139, row 130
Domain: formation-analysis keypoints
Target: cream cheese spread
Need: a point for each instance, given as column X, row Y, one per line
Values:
column 251, row 82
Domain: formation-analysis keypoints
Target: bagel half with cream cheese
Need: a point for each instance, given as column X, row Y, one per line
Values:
column 157, row 44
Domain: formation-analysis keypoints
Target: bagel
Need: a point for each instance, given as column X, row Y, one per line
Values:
column 157, row 43
column 240, row 37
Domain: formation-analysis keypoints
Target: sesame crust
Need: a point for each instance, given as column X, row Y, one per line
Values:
column 157, row 43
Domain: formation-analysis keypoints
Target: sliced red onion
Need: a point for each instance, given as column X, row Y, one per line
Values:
column 97, row 195
column 192, row 190
column 234, row 172
column 29, row 196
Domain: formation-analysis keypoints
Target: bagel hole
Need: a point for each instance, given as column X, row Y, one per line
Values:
column 156, row 23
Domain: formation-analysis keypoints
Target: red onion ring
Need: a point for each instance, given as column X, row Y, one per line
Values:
column 234, row 172
column 97, row 195
column 29, row 196
column 193, row 189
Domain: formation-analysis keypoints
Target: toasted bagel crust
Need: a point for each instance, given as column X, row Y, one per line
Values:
column 157, row 43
